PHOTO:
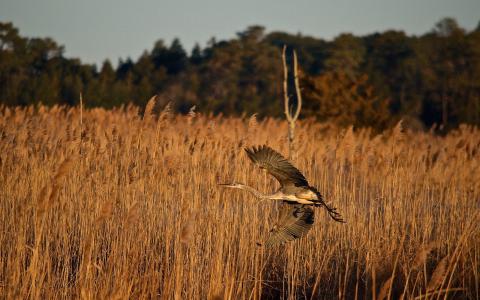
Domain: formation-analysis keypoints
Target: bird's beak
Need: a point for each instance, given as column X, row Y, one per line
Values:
column 232, row 185
column 225, row 184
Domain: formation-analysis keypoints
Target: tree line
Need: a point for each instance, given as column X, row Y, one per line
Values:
column 371, row 80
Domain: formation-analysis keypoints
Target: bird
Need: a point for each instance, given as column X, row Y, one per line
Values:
column 296, row 195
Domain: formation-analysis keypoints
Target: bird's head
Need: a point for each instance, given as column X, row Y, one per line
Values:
column 233, row 185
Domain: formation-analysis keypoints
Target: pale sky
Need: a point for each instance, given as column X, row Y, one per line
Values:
column 94, row 30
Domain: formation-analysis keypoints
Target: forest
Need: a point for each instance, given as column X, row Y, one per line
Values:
column 368, row 81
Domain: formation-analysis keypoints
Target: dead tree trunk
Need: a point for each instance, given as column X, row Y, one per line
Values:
column 290, row 115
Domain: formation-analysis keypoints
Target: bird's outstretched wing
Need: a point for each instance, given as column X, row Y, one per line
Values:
column 276, row 165
column 294, row 222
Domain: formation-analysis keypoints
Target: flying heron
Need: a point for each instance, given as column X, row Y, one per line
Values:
column 298, row 197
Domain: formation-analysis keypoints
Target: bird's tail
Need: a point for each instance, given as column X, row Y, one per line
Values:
column 332, row 211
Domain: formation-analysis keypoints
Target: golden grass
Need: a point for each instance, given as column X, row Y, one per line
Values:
column 119, row 206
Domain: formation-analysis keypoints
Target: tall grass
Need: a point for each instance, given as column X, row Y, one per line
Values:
column 121, row 206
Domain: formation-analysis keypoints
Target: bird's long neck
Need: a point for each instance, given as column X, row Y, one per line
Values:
column 255, row 192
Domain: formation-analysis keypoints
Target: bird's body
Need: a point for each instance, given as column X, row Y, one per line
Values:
column 301, row 195
column 298, row 196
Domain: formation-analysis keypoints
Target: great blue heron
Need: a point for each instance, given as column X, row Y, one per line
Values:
column 296, row 215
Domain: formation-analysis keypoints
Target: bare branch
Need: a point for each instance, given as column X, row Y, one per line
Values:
column 297, row 86
column 285, row 84
column 291, row 117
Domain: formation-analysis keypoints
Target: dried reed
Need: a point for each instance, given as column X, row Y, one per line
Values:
column 123, row 206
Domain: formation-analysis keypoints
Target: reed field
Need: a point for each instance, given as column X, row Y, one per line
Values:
column 99, row 204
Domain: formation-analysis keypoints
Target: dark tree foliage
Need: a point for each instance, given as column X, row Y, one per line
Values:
column 373, row 80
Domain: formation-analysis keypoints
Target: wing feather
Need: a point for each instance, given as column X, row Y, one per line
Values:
column 276, row 165
column 295, row 221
